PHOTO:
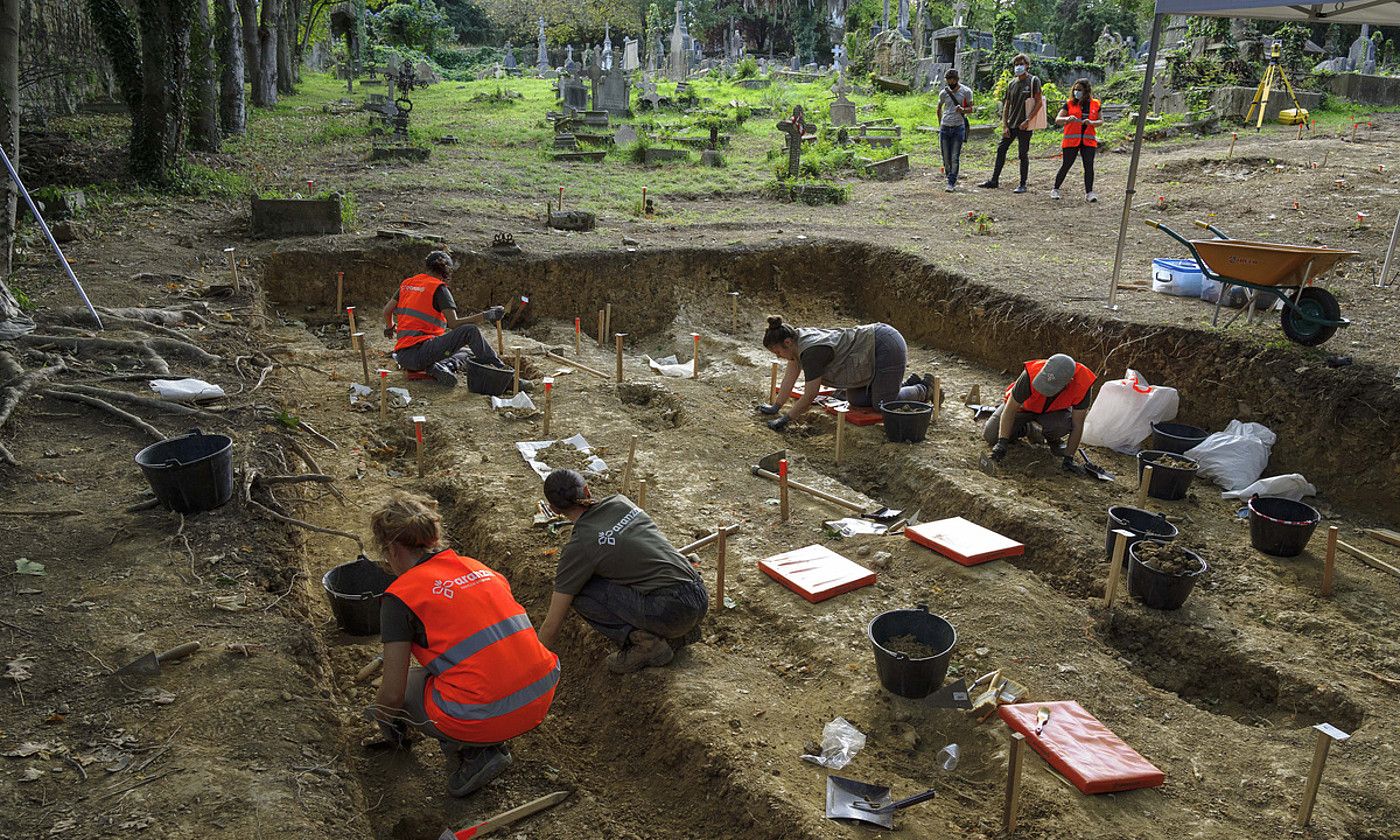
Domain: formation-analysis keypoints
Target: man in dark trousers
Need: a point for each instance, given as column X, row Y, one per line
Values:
column 1016, row 120
column 1052, row 393
column 420, row 314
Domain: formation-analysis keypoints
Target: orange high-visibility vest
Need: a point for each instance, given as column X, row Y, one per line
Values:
column 1078, row 132
column 417, row 320
column 1038, row 403
column 490, row 677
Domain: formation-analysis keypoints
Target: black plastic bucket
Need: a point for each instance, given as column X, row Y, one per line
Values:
column 1168, row 483
column 1176, row 437
column 190, row 473
column 901, row 674
column 906, row 421
column 1160, row 590
column 1281, row 527
column 488, row 379
column 1142, row 523
column 354, row 590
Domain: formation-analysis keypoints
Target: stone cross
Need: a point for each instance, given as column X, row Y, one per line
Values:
column 794, row 129
column 542, row 56
column 904, row 17
column 607, row 55
column 960, row 14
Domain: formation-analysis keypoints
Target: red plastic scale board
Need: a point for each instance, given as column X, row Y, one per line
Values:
column 963, row 542
column 856, row 415
column 816, row 572
column 1084, row 750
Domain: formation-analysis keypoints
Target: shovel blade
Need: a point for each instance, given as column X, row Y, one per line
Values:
column 770, row 462
column 842, row 794
column 988, row 466
column 147, row 665
column 884, row 514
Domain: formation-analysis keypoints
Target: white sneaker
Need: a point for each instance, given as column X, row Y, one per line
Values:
column 1055, row 194
column 949, row 188
column 1092, row 197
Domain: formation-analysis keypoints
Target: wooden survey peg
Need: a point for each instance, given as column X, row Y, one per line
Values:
column 383, row 394
column 1326, row 734
column 418, row 421
column 1115, row 565
column 359, row 338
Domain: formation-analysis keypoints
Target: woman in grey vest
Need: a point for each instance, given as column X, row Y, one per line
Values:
column 864, row 364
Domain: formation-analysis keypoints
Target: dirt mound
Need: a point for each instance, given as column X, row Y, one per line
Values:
column 664, row 405
column 1167, row 558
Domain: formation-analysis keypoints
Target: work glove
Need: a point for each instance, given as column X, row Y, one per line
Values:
column 1072, row 466
column 999, row 449
column 388, row 332
column 393, row 736
column 779, row 423
column 769, row 409
column 494, row 314
column 1059, row 450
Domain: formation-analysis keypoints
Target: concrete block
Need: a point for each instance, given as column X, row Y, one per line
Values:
column 278, row 217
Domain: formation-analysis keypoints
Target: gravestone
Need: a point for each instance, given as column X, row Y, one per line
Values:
column 570, row 66
column 625, row 135
column 680, row 57
column 795, row 64
column 838, row 58
column 606, row 56
column 612, row 92
column 843, row 110
column 630, row 61
column 510, row 64
column 573, row 93
column 904, row 18
column 274, row 217
column 1356, row 56
column 793, row 128
column 890, row 169
column 542, row 52
column 649, row 94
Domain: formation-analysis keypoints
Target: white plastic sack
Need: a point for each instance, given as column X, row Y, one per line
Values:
column 1236, row 457
column 1291, row 486
column 1124, row 411
column 520, row 400
column 186, row 390
column 670, row 367
column 840, row 743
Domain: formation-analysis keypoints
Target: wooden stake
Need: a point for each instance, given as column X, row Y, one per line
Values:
column 1013, row 781
column 1325, row 153
column 773, row 384
column 548, row 397
column 383, row 394
column 578, row 336
column 641, row 492
column 339, row 290
column 720, row 548
column 576, row 363
column 418, row 422
column 607, row 319
column 515, row 384
column 840, row 433
column 1300, row 132
column 1115, row 565
column 1233, row 137
column 1383, row 534
column 936, row 396
column 783, row 489
column 631, row 461
column 1144, row 482
column 364, row 353
column 618, row 338
column 233, row 269
column 1326, row 734
column 695, row 356
column 350, row 313
column 1374, row 562
column 1329, row 562
column 600, row 328
column 500, row 340
column 733, row 311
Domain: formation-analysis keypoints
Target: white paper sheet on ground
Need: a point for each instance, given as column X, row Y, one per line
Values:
column 186, row 390
column 531, row 448
column 670, row 367
column 400, row 395
column 359, row 392
column 520, row 400
column 850, row 527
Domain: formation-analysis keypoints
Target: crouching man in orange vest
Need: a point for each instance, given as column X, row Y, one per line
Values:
column 419, row 315
column 485, row 677
column 1052, row 393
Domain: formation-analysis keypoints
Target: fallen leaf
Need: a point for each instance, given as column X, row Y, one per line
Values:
column 231, row 603
column 63, row 827
column 31, row 774
column 25, row 566
column 18, row 669
column 27, row 749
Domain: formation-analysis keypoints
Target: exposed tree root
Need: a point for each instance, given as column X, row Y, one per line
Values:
column 136, row 399
column 303, row 524
column 15, row 389
column 126, row 417
column 76, row 344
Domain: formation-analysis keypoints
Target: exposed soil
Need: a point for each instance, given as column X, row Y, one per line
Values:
column 1167, row 558
column 909, row 646
column 1174, row 462
column 562, row 456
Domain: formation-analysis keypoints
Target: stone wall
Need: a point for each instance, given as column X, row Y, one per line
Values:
column 1234, row 102
column 60, row 60
column 1372, row 90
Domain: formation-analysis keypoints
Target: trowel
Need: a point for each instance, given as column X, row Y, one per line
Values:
column 951, row 696
column 149, row 665
column 1094, row 469
column 848, row 799
column 767, row 467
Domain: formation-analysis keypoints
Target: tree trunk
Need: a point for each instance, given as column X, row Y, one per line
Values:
column 204, row 87
column 9, row 136
column 252, row 52
column 233, row 115
column 158, row 126
column 286, row 37
column 265, row 84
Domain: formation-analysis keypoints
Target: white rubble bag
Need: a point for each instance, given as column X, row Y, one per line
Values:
column 1291, row 486
column 1236, row 457
column 1124, row 411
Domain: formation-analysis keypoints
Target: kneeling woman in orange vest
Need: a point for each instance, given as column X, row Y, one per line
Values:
column 420, row 314
column 1052, row 393
column 622, row 576
column 485, row 677
column 1080, row 117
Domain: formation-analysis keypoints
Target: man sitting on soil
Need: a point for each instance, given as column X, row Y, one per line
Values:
column 485, row 677
column 622, row 576
column 424, row 310
column 1052, row 394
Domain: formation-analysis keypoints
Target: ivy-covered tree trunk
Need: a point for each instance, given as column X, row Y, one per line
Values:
column 158, row 127
column 265, row 83
column 252, row 50
column 9, row 136
column 204, row 87
column 233, row 114
column 286, row 39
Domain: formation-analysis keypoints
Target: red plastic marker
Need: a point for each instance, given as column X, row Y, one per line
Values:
column 578, row 337
column 695, row 358
column 310, row 185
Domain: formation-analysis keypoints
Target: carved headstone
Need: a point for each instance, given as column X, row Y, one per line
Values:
column 542, row 53
column 573, row 93
column 843, row 110
column 630, row 60
column 794, row 127
column 606, row 59
column 569, row 64
column 612, row 92
column 510, row 62
column 680, row 56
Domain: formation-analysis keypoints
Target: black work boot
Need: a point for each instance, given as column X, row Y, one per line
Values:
column 476, row 767
column 442, row 374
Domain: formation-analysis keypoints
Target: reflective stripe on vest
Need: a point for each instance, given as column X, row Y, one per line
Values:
column 504, row 706
column 1078, row 132
column 417, row 320
column 478, row 641
column 1073, row 393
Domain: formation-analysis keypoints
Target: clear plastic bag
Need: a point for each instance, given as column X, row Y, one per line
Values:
column 1124, row 411
column 840, row 743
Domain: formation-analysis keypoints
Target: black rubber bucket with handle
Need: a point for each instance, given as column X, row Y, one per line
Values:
column 1281, row 527
column 488, row 379
column 1176, row 437
column 1168, row 483
column 1158, row 589
column 904, row 675
column 1141, row 523
column 354, row 590
column 190, row 473
column 906, row 421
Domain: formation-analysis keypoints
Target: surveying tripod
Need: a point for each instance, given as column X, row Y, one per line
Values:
column 1272, row 74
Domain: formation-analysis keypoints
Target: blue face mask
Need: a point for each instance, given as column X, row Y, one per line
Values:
column 1078, row 94
column 1019, row 69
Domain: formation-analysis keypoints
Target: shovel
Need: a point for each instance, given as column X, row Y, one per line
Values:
column 767, row 467
column 1094, row 469
column 149, row 665
column 848, row 799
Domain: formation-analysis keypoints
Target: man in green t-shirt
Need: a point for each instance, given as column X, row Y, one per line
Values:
column 1016, row 120
column 622, row 576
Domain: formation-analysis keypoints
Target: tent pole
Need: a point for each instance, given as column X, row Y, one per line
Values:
column 1143, row 106
column 1389, row 255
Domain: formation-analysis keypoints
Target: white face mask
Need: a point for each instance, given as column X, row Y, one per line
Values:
column 1019, row 69
column 1078, row 94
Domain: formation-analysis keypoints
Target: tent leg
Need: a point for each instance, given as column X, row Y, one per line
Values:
column 1143, row 105
column 1390, row 254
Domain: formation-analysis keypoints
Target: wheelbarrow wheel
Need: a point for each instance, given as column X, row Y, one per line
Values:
column 1301, row 321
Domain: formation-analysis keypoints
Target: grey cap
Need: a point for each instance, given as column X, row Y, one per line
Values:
column 1057, row 373
column 440, row 260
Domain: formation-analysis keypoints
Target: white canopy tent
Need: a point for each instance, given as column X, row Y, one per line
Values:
column 1375, row 12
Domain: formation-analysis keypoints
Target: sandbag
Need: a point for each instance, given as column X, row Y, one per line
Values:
column 1124, row 411
column 1236, row 457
